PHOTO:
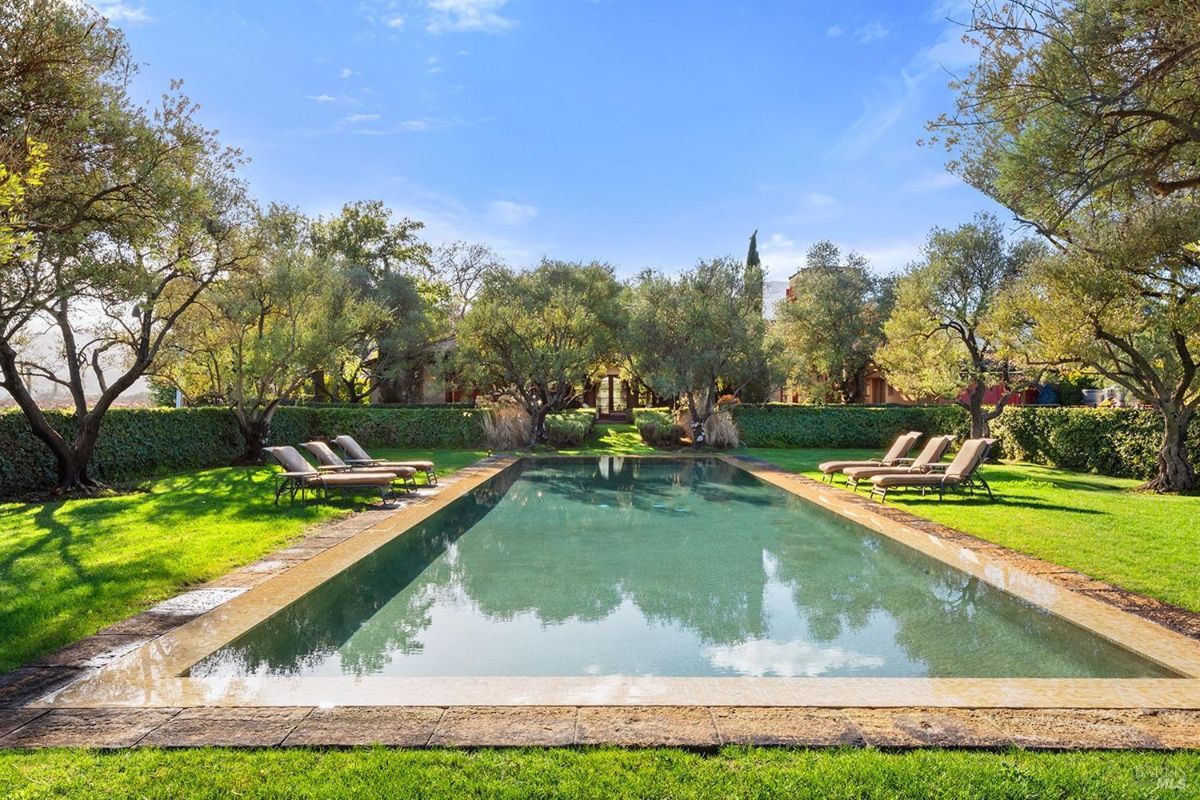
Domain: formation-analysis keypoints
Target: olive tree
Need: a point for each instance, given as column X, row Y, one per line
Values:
column 133, row 212
column 386, row 263
column 828, row 328
column 694, row 333
column 255, row 338
column 536, row 336
column 1081, row 119
column 946, row 334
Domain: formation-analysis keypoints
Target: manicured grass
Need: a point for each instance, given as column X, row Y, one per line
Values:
column 614, row 438
column 597, row 773
column 71, row 567
column 1142, row 542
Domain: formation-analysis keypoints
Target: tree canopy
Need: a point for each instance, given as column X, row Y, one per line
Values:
column 945, row 335
column 1081, row 119
column 536, row 336
column 828, row 329
column 692, row 334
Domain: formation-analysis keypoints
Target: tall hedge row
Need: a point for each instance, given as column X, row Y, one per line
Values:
column 842, row 426
column 1122, row 442
column 135, row 442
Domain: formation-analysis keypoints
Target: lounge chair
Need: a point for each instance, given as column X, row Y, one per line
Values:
column 328, row 461
column 299, row 477
column 963, row 472
column 355, row 454
column 900, row 448
column 926, row 460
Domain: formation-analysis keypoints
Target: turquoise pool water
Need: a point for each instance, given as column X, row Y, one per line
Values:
column 613, row 566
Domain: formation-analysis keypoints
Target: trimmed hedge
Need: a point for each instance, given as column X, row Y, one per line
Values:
column 570, row 428
column 781, row 425
column 1121, row 442
column 137, row 442
column 658, row 427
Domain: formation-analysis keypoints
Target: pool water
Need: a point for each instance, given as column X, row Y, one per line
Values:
column 612, row 566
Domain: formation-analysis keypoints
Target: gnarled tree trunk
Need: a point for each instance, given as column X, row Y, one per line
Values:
column 1175, row 472
column 255, row 427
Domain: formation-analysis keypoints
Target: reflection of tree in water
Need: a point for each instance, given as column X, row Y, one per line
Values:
column 708, row 581
column 951, row 622
column 311, row 629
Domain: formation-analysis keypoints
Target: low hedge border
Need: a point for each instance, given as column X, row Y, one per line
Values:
column 139, row 442
column 1121, row 442
column 773, row 425
column 658, row 427
column 570, row 428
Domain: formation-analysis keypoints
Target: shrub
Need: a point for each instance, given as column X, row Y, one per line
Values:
column 139, row 442
column 506, row 427
column 1122, row 442
column 777, row 425
column 570, row 428
column 658, row 427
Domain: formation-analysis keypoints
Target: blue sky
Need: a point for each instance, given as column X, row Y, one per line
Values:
column 638, row 132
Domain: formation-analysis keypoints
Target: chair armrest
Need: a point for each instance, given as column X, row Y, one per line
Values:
column 936, row 467
column 331, row 468
column 361, row 462
column 294, row 474
column 904, row 462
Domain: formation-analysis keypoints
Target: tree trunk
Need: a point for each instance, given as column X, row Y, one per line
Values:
column 1175, row 472
column 256, row 434
column 537, row 425
column 70, row 458
column 979, row 416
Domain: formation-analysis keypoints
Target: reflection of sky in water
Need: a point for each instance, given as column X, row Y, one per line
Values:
column 626, row 567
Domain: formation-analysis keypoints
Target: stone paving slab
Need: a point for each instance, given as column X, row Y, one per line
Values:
column 389, row 726
column 934, row 727
column 13, row 718
column 792, row 727
column 647, row 726
column 227, row 727
column 26, row 684
column 94, row 651
column 505, row 726
column 1081, row 728
column 1173, row 729
column 88, row 727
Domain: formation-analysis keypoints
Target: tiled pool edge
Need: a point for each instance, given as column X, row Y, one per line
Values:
column 679, row 724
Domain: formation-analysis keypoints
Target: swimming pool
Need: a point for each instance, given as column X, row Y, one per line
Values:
column 690, row 568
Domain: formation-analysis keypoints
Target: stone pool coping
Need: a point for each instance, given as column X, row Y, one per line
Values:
column 105, row 689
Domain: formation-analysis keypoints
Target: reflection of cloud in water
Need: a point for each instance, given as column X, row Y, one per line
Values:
column 763, row 657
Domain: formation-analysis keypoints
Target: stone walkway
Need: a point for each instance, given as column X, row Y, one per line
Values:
column 509, row 726
column 630, row 726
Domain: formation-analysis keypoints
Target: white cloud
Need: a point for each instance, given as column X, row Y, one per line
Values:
column 322, row 98
column 395, row 21
column 120, row 12
column 361, row 117
column 834, row 31
column 873, row 31
column 818, row 200
column 506, row 212
column 900, row 95
column 456, row 16
column 346, row 72
column 893, row 254
column 433, row 66
column 763, row 657
column 933, row 182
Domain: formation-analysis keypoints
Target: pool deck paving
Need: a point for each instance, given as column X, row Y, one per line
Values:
column 30, row 718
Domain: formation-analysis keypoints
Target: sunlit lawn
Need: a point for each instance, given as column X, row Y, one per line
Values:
column 597, row 773
column 71, row 567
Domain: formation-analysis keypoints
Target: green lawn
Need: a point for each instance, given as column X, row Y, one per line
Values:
column 1142, row 542
column 597, row 773
column 71, row 567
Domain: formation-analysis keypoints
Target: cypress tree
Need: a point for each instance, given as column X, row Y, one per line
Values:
column 754, row 275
